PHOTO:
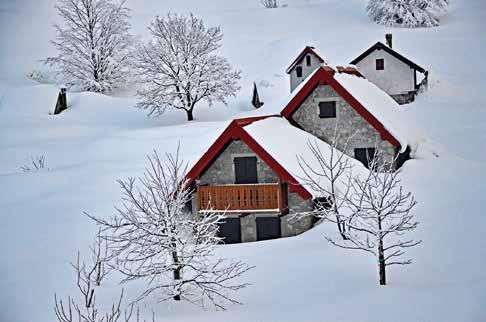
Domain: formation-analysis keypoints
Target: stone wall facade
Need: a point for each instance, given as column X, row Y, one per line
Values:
column 222, row 172
column 350, row 124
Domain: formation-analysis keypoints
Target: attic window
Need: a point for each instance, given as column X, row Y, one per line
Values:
column 380, row 64
column 365, row 155
column 327, row 109
column 308, row 60
column 298, row 71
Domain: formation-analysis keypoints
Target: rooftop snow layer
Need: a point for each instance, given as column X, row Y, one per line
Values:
column 288, row 144
column 380, row 104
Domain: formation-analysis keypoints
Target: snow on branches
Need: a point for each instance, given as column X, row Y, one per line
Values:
column 154, row 237
column 372, row 211
column 179, row 67
column 407, row 13
column 93, row 44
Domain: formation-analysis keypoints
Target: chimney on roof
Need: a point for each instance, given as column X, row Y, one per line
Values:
column 388, row 40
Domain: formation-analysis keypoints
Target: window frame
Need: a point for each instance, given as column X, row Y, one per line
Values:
column 308, row 60
column 327, row 100
column 380, row 64
column 245, row 156
column 298, row 71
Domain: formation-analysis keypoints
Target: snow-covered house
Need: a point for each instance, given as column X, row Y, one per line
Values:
column 341, row 99
column 302, row 66
column 390, row 71
column 252, row 173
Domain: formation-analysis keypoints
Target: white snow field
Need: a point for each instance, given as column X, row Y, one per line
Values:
column 100, row 139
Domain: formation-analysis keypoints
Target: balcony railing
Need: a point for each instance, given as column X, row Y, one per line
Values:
column 244, row 197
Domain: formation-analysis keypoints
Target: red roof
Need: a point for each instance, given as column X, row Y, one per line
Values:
column 325, row 76
column 301, row 56
column 236, row 131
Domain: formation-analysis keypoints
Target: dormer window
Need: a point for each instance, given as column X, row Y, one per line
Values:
column 327, row 109
column 298, row 71
column 308, row 60
column 380, row 64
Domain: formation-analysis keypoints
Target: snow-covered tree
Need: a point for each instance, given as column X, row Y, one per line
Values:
column 371, row 209
column 407, row 13
column 93, row 44
column 156, row 238
column 180, row 66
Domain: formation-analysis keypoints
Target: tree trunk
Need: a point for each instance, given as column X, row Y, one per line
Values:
column 176, row 272
column 190, row 117
column 381, row 262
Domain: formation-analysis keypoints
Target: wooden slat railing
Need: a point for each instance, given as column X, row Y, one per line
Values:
column 239, row 197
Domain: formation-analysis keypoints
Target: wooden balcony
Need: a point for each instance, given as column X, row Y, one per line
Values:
column 241, row 197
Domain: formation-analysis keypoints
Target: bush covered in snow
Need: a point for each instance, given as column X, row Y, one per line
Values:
column 93, row 44
column 407, row 13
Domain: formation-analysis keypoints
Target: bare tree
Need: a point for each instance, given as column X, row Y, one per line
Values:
column 155, row 237
column 89, row 278
column 376, row 212
column 179, row 67
column 93, row 44
column 330, row 177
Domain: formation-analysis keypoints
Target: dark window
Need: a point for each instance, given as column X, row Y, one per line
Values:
column 246, row 170
column 327, row 109
column 380, row 64
column 230, row 230
column 268, row 228
column 308, row 60
column 298, row 71
column 322, row 203
column 365, row 155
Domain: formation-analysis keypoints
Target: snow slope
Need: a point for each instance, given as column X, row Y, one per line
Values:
column 100, row 139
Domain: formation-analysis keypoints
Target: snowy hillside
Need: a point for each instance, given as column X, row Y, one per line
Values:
column 102, row 138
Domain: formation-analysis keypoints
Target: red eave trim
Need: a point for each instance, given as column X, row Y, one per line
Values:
column 325, row 75
column 236, row 131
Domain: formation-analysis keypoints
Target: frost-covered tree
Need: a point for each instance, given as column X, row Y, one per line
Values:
column 155, row 237
column 93, row 44
column 180, row 66
column 371, row 209
column 407, row 13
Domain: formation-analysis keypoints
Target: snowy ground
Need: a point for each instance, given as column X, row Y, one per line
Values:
column 100, row 139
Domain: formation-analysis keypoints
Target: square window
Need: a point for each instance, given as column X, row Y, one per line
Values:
column 365, row 155
column 245, row 170
column 380, row 64
column 327, row 109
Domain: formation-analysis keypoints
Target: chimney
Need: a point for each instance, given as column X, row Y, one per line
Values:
column 388, row 40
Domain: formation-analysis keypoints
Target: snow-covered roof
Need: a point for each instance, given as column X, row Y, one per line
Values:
column 287, row 144
column 384, row 108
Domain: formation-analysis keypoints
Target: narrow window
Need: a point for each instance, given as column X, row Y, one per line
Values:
column 298, row 71
column 308, row 60
column 246, row 170
column 365, row 155
column 327, row 109
column 380, row 64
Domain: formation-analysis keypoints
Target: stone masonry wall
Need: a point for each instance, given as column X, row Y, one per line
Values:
column 222, row 171
column 350, row 123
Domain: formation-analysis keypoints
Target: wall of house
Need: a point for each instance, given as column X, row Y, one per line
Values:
column 350, row 123
column 306, row 71
column 222, row 172
column 397, row 77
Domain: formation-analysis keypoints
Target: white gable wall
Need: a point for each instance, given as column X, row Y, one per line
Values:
column 396, row 78
column 306, row 71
